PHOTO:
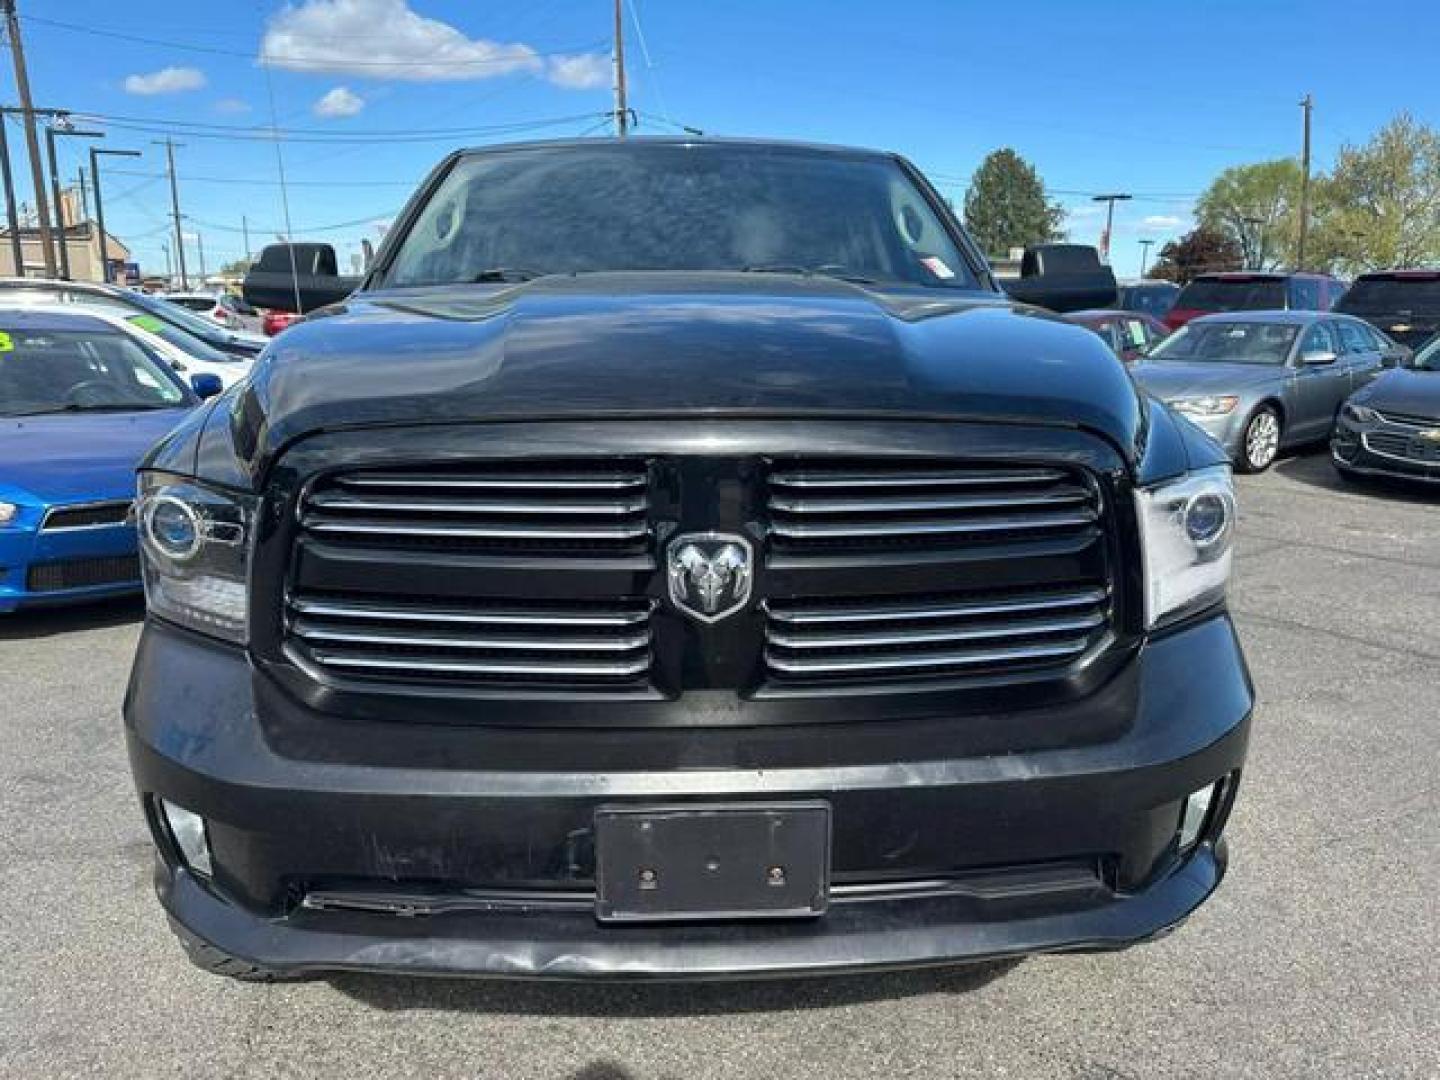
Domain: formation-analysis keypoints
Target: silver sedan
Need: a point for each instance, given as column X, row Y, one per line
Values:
column 1261, row 381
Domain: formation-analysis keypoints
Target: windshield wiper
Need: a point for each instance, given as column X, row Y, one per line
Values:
column 506, row 274
column 831, row 270
column 70, row 407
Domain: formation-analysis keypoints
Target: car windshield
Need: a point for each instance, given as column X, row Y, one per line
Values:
column 193, row 303
column 1232, row 294
column 176, row 315
column 1391, row 296
column 183, row 340
column 1228, row 343
column 49, row 371
column 519, row 214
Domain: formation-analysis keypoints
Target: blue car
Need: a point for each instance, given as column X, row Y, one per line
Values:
column 80, row 403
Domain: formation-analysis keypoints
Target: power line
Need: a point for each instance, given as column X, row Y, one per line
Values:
column 301, row 135
column 259, row 181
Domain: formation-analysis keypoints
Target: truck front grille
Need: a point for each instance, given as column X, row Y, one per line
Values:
column 905, row 637
column 494, row 506
column 826, row 506
column 571, row 645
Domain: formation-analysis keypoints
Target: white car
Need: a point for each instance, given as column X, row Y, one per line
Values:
column 229, row 311
column 183, row 351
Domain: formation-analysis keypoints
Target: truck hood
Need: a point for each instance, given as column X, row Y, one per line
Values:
column 614, row 345
column 1168, row 381
column 1405, row 391
column 78, row 457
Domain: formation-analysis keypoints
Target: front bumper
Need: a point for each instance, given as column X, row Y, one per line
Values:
column 1381, row 450
column 431, row 868
column 79, row 554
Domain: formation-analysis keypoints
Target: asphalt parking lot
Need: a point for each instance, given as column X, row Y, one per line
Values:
column 1317, row 957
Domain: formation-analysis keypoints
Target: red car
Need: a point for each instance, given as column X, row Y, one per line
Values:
column 272, row 322
column 1129, row 333
column 1253, row 291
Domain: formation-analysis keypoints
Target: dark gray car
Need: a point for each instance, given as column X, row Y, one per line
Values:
column 1260, row 381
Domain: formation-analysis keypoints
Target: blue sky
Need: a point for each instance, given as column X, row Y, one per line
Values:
column 1100, row 95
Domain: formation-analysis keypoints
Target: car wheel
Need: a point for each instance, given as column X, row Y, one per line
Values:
column 1260, row 445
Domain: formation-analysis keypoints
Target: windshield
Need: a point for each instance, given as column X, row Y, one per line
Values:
column 80, row 371
column 1227, row 343
column 1391, row 296
column 175, row 315
column 193, row 303
column 183, row 340
column 522, row 213
column 1239, row 294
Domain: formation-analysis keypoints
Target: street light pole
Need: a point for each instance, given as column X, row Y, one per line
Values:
column 95, row 153
column 1144, row 252
column 1110, row 201
column 51, row 130
column 12, row 219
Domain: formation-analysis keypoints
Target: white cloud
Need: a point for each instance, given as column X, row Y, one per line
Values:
column 170, row 80
column 582, row 71
column 232, row 106
column 341, row 101
column 385, row 39
column 1161, row 221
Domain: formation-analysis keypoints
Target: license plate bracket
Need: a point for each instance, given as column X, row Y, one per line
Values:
column 722, row 861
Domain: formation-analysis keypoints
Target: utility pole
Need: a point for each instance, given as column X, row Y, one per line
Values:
column 622, row 111
column 200, row 243
column 60, row 125
column 1308, row 105
column 169, row 268
column 100, row 206
column 84, row 194
column 245, row 229
column 32, row 140
column 169, row 145
column 1144, row 254
column 1110, row 201
column 12, row 219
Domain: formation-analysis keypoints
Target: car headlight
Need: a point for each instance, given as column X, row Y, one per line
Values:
column 1212, row 405
column 195, row 553
column 1187, row 528
column 1361, row 414
column 8, row 512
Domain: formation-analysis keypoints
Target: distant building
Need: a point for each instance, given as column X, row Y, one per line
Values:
column 82, row 245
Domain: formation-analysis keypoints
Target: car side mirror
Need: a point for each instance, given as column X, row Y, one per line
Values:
column 206, row 385
column 1317, row 357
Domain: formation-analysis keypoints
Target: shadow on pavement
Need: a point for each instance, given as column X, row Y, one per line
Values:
column 637, row 1000
column 48, row 622
column 1315, row 470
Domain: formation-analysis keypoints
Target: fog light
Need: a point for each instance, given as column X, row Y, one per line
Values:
column 187, row 829
column 1194, row 815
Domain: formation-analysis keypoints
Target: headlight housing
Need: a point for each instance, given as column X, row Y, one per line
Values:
column 1187, row 528
column 195, row 554
column 1211, row 405
column 1361, row 414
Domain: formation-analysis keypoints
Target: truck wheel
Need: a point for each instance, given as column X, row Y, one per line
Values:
column 208, row 958
column 1260, row 444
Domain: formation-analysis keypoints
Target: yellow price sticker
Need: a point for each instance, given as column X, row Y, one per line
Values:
column 6, row 345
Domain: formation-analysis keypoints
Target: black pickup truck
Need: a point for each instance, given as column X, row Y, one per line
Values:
column 680, row 559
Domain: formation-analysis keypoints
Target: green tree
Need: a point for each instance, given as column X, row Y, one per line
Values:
column 1006, row 206
column 1200, row 251
column 1380, row 205
column 1257, row 207
column 236, row 267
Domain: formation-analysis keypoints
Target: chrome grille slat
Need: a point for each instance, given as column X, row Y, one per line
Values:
column 1013, row 523
column 825, row 506
column 483, row 618
column 888, row 637
column 919, row 661
column 557, row 644
column 926, row 637
column 495, row 507
column 334, row 502
column 309, row 632
column 422, row 666
column 832, row 615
